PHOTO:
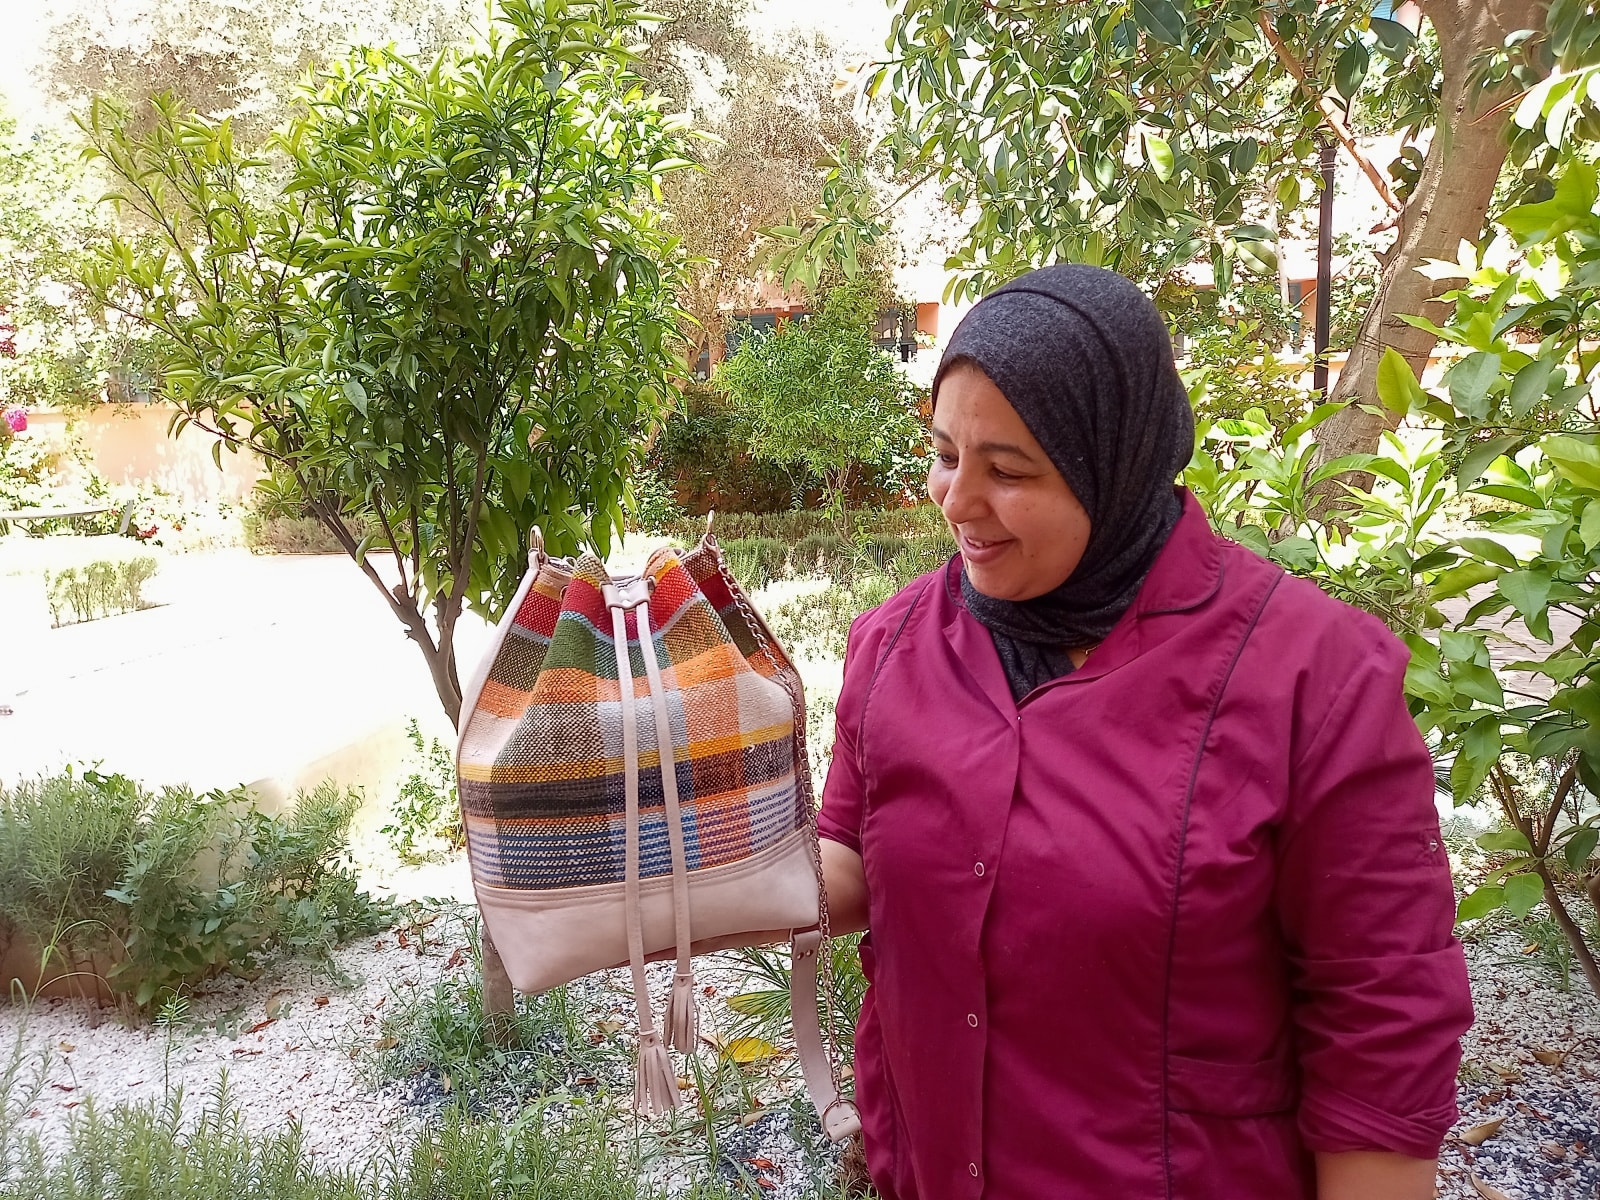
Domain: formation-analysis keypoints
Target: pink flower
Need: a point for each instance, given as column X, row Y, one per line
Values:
column 17, row 418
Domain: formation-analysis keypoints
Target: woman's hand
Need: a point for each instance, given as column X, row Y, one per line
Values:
column 847, row 906
column 1374, row 1175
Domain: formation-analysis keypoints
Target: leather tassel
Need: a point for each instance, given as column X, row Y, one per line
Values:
column 655, row 1083
column 682, row 1016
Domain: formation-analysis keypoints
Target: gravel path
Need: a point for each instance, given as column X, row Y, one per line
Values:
column 297, row 1047
column 1530, row 1085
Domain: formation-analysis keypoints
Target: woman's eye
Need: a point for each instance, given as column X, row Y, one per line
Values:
column 946, row 460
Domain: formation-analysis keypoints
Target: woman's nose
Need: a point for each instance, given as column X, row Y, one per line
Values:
column 963, row 497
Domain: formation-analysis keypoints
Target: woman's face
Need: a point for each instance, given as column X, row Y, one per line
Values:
column 1020, row 528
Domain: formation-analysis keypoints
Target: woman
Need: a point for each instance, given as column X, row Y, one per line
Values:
column 1139, row 827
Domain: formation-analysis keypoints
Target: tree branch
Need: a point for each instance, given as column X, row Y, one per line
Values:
column 1330, row 113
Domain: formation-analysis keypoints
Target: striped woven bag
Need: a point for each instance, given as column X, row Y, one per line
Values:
column 633, row 778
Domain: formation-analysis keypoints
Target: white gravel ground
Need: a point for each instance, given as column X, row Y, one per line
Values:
column 294, row 1047
column 1533, row 1059
column 290, row 1045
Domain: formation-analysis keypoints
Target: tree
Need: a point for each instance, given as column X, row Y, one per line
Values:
column 454, row 321
column 819, row 393
column 222, row 58
column 48, row 224
column 773, row 116
column 1142, row 136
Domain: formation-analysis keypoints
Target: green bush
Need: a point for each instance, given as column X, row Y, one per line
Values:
column 265, row 534
column 152, row 892
column 703, row 455
column 426, row 812
column 757, row 561
column 98, row 589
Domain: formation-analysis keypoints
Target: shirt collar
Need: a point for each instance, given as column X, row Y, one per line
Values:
column 1188, row 570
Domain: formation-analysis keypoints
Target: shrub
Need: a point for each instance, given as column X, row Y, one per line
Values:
column 426, row 811
column 757, row 561
column 293, row 535
column 153, row 892
column 98, row 589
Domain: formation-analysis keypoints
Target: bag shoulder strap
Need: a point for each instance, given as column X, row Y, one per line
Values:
column 838, row 1115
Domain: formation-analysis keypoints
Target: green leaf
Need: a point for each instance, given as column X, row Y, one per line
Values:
column 356, row 394
column 1394, row 39
column 1477, row 752
column 1397, row 384
column 1478, row 683
column 1350, row 70
column 1528, row 591
column 1481, row 902
column 1481, row 457
column 1159, row 155
column 1289, row 193
column 1463, row 578
column 1159, row 19
column 1523, row 893
column 1488, row 548
column 1528, row 388
column 1577, row 459
column 1469, row 382
column 1580, row 846
column 1589, row 525
column 1505, row 839
column 1572, row 204
column 1260, row 257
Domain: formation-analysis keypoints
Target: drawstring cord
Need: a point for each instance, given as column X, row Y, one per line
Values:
column 655, row 1082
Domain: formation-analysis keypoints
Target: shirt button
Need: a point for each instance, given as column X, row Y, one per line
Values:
column 977, row 868
column 973, row 1167
column 972, row 1019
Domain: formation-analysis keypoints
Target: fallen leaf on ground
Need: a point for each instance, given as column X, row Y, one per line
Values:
column 749, row 1049
column 66, row 1047
column 1553, row 1150
column 277, row 1004
column 750, row 1118
column 260, row 1025
column 1480, row 1134
column 607, row 1026
column 760, row 1164
column 1509, row 1074
column 320, row 1001
column 63, row 1087
column 386, row 1043
column 244, row 1052
column 1551, row 1058
column 1487, row 1190
column 765, row 1182
column 457, row 957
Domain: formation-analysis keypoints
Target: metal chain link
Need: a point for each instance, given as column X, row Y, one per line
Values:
column 784, row 671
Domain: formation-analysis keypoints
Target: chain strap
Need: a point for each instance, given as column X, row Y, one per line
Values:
column 788, row 679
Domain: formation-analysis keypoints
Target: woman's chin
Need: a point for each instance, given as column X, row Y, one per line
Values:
column 990, row 582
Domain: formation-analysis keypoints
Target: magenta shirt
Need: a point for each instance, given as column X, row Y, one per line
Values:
column 1165, row 927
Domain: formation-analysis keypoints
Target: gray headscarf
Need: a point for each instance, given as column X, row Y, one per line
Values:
column 1085, row 359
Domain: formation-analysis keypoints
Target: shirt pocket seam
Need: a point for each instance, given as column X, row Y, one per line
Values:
column 1211, row 1087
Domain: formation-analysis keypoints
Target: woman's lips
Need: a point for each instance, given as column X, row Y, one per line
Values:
column 981, row 550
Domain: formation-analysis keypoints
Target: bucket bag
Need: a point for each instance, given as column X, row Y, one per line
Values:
column 633, row 778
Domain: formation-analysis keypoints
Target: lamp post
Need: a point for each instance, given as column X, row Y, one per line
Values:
column 1319, row 370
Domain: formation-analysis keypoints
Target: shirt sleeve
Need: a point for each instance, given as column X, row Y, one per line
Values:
column 844, row 794
column 1379, row 983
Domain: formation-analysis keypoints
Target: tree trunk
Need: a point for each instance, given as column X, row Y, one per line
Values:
column 1450, row 203
column 1573, row 932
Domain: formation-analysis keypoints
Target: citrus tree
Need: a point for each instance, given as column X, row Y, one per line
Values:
column 453, row 319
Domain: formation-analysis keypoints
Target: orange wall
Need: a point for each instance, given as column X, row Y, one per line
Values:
column 128, row 444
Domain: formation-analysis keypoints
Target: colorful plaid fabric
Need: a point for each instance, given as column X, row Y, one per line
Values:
column 541, row 764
